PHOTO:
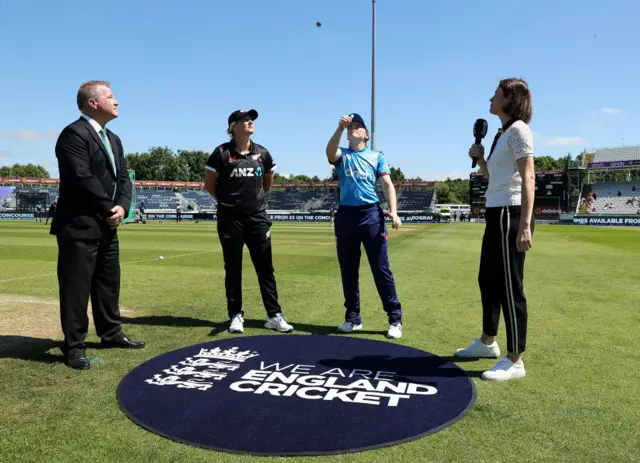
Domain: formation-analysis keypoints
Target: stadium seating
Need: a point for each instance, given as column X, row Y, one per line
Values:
column 321, row 200
column 156, row 199
column 414, row 200
column 10, row 201
column 301, row 200
column 289, row 199
column 5, row 193
column 203, row 200
column 609, row 202
column 318, row 200
column 623, row 153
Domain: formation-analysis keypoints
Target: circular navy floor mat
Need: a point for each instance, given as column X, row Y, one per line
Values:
column 295, row 394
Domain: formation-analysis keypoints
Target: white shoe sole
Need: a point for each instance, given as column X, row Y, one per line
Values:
column 278, row 330
column 466, row 354
column 355, row 328
column 236, row 330
column 502, row 379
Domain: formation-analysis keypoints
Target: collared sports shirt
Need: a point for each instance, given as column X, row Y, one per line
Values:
column 239, row 182
column 358, row 172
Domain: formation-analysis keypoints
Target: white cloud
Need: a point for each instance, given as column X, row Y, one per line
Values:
column 28, row 135
column 611, row 111
column 566, row 141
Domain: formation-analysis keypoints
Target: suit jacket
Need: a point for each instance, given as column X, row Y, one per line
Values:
column 87, row 182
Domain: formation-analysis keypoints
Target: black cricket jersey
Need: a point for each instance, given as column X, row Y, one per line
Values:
column 239, row 182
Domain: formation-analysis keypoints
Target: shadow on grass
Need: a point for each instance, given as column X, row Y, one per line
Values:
column 456, row 359
column 405, row 368
column 166, row 320
column 220, row 327
column 33, row 349
column 37, row 349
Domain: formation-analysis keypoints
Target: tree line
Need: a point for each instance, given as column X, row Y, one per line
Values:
column 24, row 170
column 162, row 163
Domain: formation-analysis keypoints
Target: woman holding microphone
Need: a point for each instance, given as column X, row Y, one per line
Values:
column 509, row 227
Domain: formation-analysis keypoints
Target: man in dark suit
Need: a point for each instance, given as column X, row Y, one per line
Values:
column 95, row 196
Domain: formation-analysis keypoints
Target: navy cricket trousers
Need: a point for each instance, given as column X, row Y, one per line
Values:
column 365, row 225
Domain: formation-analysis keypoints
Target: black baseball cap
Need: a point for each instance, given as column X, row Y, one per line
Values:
column 240, row 115
column 358, row 118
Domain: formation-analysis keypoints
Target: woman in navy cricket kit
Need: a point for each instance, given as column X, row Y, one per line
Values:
column 238, row 175
column 509, row 226
column 360, row 220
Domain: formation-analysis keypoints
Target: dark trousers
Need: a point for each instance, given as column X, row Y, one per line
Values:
column 89, row 268
column 501, row 277
column 234, row 231
column 365, row 225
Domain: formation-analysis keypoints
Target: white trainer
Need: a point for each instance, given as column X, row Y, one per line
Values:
column 237, row 324
column 395, row 331
column 504, row 370
column 348, row 327
column 278, row 323
column 480, row 349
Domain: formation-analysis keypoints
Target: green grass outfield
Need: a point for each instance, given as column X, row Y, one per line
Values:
column 579, row 402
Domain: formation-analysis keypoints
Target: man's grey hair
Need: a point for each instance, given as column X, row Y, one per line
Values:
column 89, row 91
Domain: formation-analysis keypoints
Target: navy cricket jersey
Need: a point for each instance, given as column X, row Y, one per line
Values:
column 239, row 182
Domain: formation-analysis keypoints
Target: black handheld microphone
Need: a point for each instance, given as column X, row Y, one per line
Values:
column 479, row 131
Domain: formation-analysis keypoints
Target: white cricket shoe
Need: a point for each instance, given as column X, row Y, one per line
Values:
column 504, row 370
column 237, row 324
column 348, row 327
column 480, row 349
column 278, row 323
column 395, row 331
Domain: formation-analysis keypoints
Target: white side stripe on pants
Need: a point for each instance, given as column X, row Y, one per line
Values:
column 506, row 262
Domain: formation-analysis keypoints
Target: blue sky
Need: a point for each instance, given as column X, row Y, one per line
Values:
column 178, row 68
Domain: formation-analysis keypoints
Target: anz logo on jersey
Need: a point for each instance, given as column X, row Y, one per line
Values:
column 246, row 172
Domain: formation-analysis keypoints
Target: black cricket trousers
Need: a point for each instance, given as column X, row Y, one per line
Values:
column 235, row 230
column 501, row 277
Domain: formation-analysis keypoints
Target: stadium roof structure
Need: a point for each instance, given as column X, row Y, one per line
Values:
column 621, row 153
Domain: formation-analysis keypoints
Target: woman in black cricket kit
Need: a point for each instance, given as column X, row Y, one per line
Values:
column 238, row 174
column 509, row 227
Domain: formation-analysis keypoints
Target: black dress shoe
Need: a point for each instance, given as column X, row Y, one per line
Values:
column 123, row 342
column 76, row 360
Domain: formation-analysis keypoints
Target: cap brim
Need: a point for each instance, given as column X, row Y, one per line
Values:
column 235, row 117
